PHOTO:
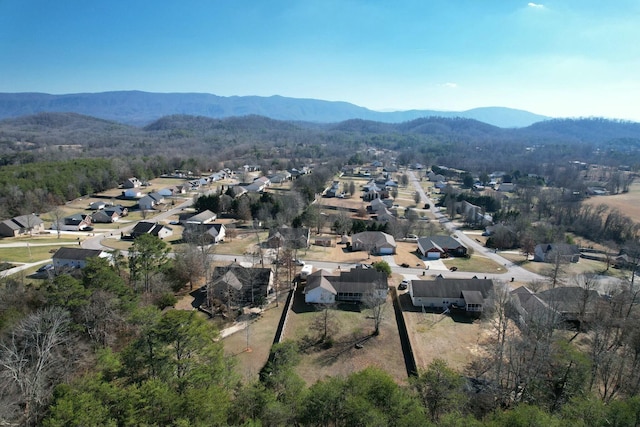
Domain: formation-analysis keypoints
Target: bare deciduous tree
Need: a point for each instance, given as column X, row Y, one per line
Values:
column 33, row 358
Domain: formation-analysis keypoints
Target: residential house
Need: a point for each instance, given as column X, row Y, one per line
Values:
column 73, row 257
column 97, row 205
column 435, row 177
column 468, row 294
column 132, row 182
column 288, row 237
column 549, row 252
column 574, row 305
column 132, row 193
column 280, row 177
column 296, row 172
column 263, row 180
column 374, row 242
column 75, row 222
column 255, row 187
column 237, row 285
column 209, row 233
column 149, row 201
column 204, row 217
column 236, row 191
column 104, row 217
column 355, row 285
column 334, row 190
column 439, row 246
column 167, row 192
column 153, row 228
column 119, row 210
column 19, row 225
column 475, row 214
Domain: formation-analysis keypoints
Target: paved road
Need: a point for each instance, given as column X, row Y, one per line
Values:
column 511, row 270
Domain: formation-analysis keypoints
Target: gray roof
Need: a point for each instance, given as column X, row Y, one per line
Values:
column 202, row 217
column 450, row 288
column 374, row 238
column 76, row 253
column 144, row 227
column 442, row 243
column 357, row 280
column 570, row 299
column 23, row 221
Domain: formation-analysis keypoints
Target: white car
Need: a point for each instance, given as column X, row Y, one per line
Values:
column 403, row 285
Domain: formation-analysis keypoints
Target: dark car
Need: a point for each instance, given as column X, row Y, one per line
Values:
column 46, row 267
column 454, row 268
column 405, row 265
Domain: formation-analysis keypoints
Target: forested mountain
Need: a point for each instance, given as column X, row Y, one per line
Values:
column 54, row 136
column 141, row 108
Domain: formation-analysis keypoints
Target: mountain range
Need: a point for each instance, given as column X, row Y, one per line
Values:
column 141, row 108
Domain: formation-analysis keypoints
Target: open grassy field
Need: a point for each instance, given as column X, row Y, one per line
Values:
column 627, row 203
column 29, row 254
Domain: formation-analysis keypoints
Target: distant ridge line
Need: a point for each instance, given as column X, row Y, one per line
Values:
column 141, row 108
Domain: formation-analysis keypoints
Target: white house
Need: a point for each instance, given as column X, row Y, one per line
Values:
column 73, row 257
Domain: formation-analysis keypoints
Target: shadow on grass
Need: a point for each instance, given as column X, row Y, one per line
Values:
column 343, row 347
column 458, row 316
column 299, row 306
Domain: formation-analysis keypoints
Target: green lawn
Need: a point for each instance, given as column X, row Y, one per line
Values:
column 28, row 254
column 475, row 264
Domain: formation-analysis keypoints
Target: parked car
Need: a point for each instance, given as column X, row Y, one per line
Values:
column 405, row 265
column 46, row 267
column 298, row 262
column 403, row 285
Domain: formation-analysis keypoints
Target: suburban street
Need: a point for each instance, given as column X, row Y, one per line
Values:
column 512, row 271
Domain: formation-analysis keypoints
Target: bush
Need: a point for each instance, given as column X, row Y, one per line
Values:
column 165, row 300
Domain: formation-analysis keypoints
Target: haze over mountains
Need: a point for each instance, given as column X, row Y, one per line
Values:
column 141, row 108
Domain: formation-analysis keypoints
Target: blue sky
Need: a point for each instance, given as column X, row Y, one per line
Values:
column 562, row 58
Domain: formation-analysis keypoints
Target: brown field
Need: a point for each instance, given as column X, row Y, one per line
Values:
column 434, row 336
column 343, row 358
column 261, row 332
column 627, row 203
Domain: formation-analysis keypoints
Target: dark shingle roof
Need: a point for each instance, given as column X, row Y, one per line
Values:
column 450, row 288
column 76, row 253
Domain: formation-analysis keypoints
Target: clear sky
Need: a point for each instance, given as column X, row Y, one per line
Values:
column 562, row 58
